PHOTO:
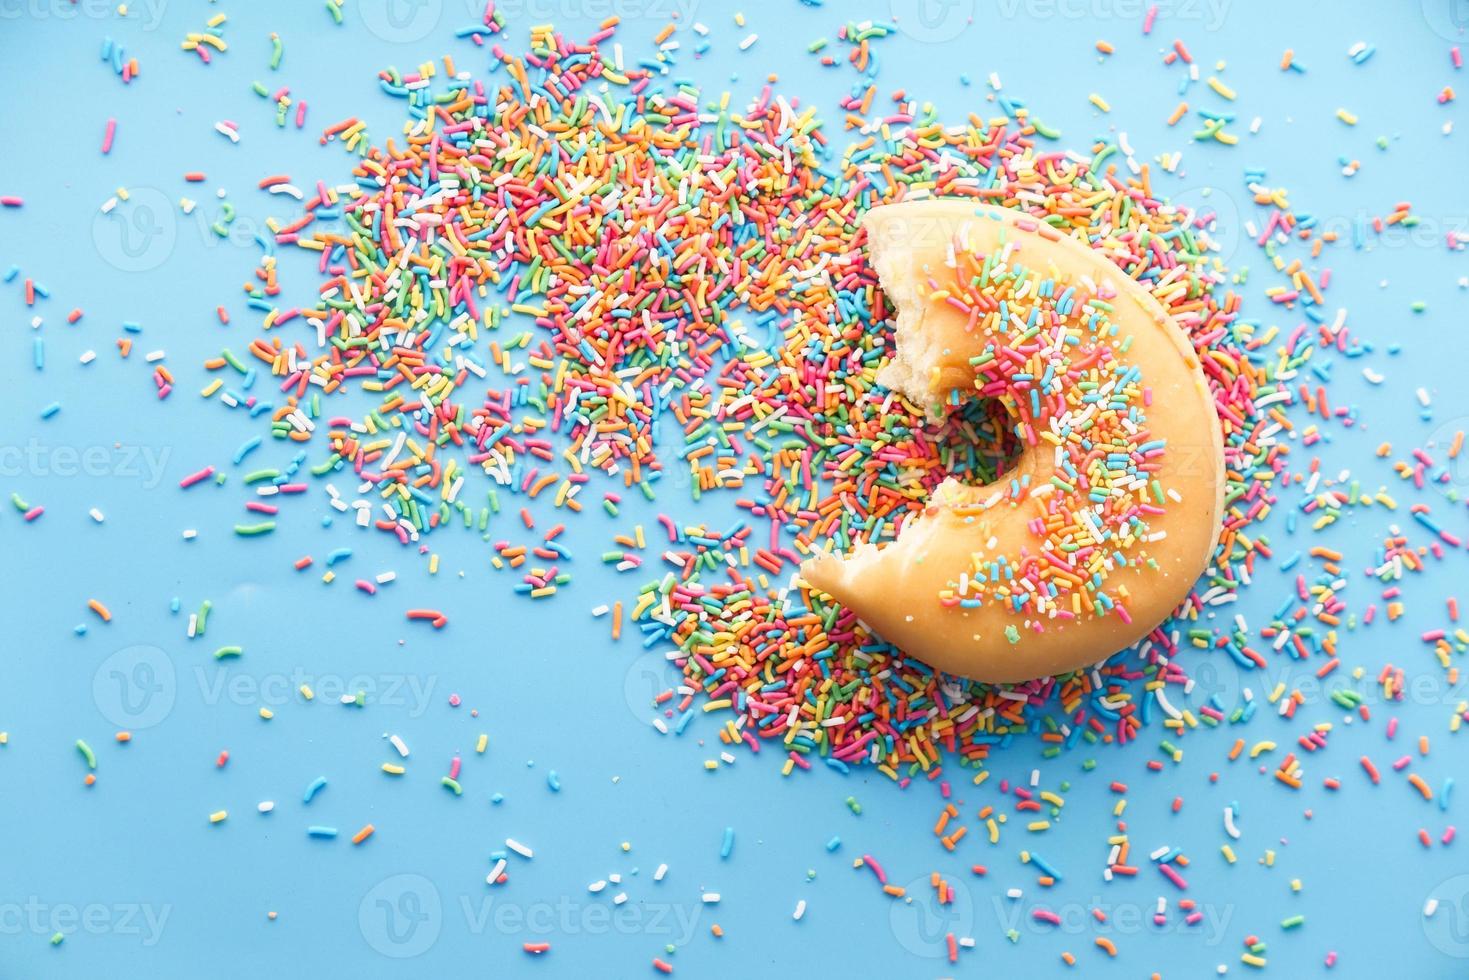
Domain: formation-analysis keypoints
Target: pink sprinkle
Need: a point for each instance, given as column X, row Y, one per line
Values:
column 11, row 202
column 194, row 478
column 1148, row 19
column 107, row 136
column 871, row 862
column 34, row 512
column 1173, row 876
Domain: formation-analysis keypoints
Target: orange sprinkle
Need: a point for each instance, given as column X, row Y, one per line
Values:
column 363, row 834
column 100, row 610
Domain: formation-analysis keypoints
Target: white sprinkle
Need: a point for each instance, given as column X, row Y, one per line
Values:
column 710, row 898
column 265, row 806
column 619, row 898
column 800, row 910
column 1229, row 822
column 519, row 848
column 748, row 42
column 96, row 515
column 662, row 870
column 596, row 886
column 495, row 872
column 1430, row 907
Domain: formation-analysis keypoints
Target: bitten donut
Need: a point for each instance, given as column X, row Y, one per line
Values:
column 1111, row 511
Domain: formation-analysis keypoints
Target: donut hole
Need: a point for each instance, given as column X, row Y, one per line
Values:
column 976, row 443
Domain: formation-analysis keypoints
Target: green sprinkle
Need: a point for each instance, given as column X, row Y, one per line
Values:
column 254, row 530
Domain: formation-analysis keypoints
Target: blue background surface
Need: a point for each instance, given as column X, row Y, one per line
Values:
column 132, row 870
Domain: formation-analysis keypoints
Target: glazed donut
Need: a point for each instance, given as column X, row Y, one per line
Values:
column 1111, row 511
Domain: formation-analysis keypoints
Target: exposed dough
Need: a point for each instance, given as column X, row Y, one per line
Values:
column 928, row 256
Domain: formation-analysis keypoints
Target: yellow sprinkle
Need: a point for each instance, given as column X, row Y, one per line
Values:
column 393, row 770
column 1349, row 118
column 267, row 714
column 1221, row 88
column 218, row 816
column 306, row 692
column 1099, row 102
column 482, row 744
column 1228, row 853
